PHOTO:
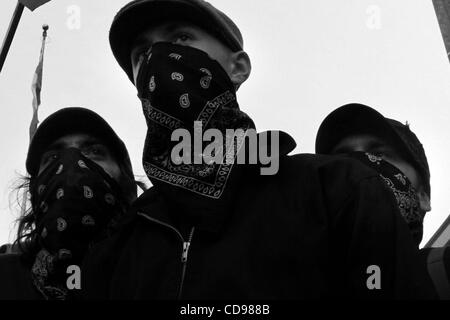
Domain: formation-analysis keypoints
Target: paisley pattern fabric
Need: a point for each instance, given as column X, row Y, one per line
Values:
column 406, row 196
column 180, row 85
column 75, row 202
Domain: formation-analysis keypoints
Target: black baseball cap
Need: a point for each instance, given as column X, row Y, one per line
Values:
column 358, row 118
column 75, row 120
column 138, row 15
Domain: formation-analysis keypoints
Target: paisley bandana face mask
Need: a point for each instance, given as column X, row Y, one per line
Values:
column 178, row 85
column 407, row 199
column 75, row 202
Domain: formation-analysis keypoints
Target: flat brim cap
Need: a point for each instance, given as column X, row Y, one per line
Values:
column 357, row 118
column 74, row 120
column 138, row 15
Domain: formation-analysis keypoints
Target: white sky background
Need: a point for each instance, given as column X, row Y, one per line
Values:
column 309, row 57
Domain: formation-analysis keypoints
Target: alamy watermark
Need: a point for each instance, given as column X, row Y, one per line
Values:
column 230, row 149
column 373, row 21
column 73, row 21
column 74, row 279
column 374, row 280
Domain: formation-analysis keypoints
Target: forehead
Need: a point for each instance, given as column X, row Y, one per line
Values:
column 362, row 138
column 165, row 28
column 360, row 141
column 75, row 139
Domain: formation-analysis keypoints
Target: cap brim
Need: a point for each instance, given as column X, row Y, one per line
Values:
column 360, row 119
column 138, row 16
column 67, row 121
column 352, row 119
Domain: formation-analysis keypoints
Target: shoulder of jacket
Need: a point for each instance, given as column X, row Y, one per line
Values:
column 328, row 166
column 11, row 262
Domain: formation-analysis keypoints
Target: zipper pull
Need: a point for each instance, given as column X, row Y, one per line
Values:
column 185, row 251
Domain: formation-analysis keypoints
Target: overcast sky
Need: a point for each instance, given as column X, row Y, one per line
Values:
column 309, row 57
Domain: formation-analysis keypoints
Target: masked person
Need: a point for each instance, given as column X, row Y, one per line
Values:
column 387, row 146
column 394, row 151
column 81, row 183
column 211, row 230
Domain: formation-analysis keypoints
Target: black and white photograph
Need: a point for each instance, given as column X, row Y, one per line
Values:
column 225, row 155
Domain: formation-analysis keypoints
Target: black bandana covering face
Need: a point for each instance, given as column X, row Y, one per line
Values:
column 178, row 85
column 399, row 184
column 75, row 202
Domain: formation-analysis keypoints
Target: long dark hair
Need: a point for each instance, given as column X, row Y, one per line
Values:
column 26, row 231
column 27, row 241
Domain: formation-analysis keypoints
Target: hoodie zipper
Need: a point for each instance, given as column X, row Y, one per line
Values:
column 185, row 251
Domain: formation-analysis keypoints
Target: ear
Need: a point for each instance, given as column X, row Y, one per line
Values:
column 424, row 201
column 240, row 68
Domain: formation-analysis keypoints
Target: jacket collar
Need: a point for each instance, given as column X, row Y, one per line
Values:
column 175, row 206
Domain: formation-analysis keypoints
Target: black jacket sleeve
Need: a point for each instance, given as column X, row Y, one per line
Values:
column 15, row 279
column 380, row 259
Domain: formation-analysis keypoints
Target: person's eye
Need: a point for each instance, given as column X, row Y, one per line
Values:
column 48, row 158
column 95, row 151
column 138, row 53
column 182, row 37
column 136, row 56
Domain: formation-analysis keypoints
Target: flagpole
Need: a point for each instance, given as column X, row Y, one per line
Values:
column 36, row 88
column 37, row 84
column 10, row 33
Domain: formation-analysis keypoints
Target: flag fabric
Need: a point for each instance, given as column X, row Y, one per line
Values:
column 36, row 88
column 33, row 4
column 442, row 8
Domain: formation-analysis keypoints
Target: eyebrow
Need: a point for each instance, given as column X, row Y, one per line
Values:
column 375, row 143
column 172, row 27
column 372, row 143
column 86, row 143
column 138, row 43
column 169, row 28
column 342, row 149
column 55, row 146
